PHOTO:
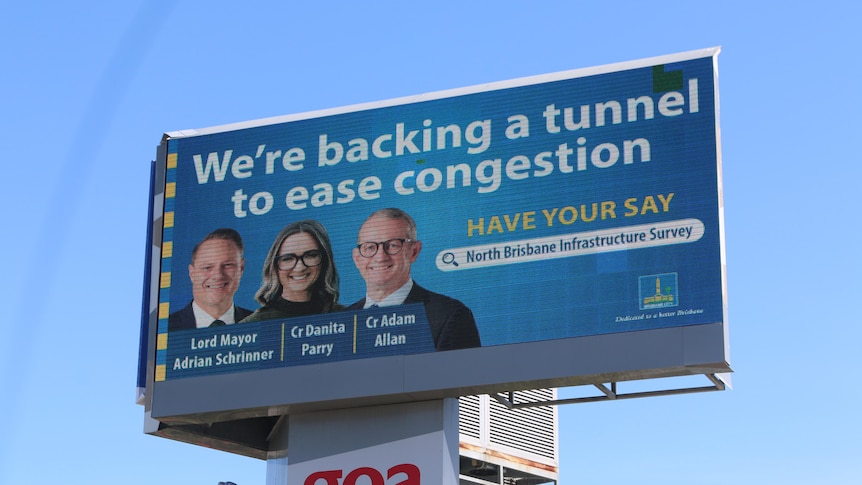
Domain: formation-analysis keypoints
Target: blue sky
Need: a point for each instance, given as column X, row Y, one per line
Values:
column 88, row 88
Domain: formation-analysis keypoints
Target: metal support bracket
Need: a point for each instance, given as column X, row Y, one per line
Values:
column 610, row 394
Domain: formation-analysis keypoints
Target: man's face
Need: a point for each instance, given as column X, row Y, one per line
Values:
column 385, row 273
column 215, row 274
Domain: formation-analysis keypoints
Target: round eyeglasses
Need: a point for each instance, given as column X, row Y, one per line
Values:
column 287, row 262
column 390, row 247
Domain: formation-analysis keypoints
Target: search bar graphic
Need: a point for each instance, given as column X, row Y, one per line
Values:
column 666, row 233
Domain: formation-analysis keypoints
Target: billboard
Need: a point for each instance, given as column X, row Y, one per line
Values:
column 557, row 228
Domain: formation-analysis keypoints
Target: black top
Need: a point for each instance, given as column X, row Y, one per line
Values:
column 451, row 322
column 281, row 308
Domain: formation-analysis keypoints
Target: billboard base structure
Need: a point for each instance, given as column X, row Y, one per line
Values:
column 401, row 443
column 253, row 436
column 649, row 354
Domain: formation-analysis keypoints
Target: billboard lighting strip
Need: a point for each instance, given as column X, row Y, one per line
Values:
column 610, row 394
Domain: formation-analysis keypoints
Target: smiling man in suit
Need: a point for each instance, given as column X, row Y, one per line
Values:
column 216, row 269
column 387, row 247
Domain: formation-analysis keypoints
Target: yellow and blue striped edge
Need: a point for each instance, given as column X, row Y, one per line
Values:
column 167, row 257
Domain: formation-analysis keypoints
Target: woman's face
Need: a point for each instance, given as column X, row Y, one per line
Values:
column 296, row 282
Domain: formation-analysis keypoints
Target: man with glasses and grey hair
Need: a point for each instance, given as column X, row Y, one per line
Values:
column 387, row 246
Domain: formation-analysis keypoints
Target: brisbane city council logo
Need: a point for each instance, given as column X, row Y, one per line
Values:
column 658, row 291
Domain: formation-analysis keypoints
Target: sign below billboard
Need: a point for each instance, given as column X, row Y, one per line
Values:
column 472, row 240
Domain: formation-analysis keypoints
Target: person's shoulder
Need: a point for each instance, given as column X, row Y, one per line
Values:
column 185, row 309
column 241, row 313
column 340, row 308
column 182, row 319
column 259, row 315
column 421, row 293
column 452, row 323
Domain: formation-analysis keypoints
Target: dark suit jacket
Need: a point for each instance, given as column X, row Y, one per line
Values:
column 452, row 324
column 185, row 318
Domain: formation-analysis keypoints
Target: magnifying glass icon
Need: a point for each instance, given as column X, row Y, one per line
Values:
column 449, row 258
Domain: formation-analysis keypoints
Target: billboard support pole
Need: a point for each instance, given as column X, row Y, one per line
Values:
column 399, row 443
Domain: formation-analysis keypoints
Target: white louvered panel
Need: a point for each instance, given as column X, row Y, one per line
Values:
column 470, row 416
column 532, row 430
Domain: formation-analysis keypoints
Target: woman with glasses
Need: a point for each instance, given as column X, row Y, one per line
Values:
column 299, row 276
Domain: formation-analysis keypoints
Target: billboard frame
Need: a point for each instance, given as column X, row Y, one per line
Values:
column 177, row 408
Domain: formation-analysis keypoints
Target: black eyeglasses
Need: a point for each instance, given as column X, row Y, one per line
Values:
column 287, row 262
column 390, row 247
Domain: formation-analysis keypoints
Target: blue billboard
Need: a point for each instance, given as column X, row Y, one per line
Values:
column 563, row 206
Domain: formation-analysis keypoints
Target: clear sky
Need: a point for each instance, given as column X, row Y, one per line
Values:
column 88, row 88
